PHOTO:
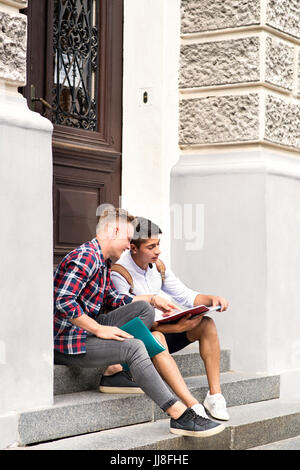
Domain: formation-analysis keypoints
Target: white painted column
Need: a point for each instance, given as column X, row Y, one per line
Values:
column 150, row 130
column 240, row 164
column 26, row 361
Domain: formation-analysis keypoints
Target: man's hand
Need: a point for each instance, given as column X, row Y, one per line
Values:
column 101, row 331
column 158, row 302
column 187, row 323
column 211, row 301
column 112, row 332
column 164, row 305
column 215, row 301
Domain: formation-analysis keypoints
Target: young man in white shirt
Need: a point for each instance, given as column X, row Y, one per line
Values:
column 141, row 263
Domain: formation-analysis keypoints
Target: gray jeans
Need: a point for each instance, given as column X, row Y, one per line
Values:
column 101, row 353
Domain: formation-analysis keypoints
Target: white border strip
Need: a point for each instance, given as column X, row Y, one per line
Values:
column 256, row 160
column 236, row 33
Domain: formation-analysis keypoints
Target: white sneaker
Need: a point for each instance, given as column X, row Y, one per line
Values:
column 199, row 409
column 216, row 405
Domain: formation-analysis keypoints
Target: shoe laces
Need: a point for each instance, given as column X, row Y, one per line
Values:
column 199, row 419
column 127, row 374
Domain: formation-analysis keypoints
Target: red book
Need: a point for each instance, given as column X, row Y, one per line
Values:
column 195, row 311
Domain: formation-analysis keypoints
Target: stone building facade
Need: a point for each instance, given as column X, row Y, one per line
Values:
column 249, row 50
column 239, row 157
column 220, row 133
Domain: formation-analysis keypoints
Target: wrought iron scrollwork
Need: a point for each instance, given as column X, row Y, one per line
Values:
column 75, row 35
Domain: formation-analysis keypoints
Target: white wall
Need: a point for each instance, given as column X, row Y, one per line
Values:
column 283, row 307
column 26, row 358
column 150, row 131
column 250, row 251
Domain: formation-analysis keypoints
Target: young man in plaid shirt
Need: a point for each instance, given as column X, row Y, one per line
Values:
column 86, row 335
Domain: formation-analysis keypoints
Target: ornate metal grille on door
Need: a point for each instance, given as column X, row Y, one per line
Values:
column 75, row 38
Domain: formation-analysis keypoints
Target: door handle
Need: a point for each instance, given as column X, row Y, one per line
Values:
column 33, row 99
column 44, row 102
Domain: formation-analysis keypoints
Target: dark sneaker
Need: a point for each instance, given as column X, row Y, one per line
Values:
column 122, row 382
column 191, row 424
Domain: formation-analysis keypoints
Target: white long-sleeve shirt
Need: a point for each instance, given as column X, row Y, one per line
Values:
column 149, row 282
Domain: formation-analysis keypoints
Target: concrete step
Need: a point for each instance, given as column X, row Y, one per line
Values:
column 286, row 444
column 91, row 411
column 72, row 379
column 250, row 425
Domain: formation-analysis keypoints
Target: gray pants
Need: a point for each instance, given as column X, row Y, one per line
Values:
column 101, row 353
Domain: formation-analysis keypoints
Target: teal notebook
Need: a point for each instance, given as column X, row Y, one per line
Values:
column 139, row 330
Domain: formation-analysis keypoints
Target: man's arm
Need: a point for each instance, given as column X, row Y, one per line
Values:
column 211, row 301
column 101, row 331
column 177, row 290
column 188, row 297
column 184, row 324
column 69, row 284
column 122, row 287
column 158, row 302
column 188, row 323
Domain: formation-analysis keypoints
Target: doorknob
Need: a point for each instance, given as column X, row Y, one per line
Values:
column 44, row 102
column 33, row 99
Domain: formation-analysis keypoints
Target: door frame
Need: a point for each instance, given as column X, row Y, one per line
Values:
column 80, row 150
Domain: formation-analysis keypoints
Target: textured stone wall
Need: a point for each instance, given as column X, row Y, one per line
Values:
column 298, row 77
column 219, row 119
column 238, row 61
column 279, row 62
column 282, row 122
column 222, row 58
column 220, row 62
column 207, row 15
column 13, row 47
column 284, row 15
column 210, row 15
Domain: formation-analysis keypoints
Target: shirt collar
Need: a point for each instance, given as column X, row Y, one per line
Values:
column 136, row 267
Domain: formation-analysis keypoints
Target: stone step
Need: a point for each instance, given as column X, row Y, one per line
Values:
column 91, row 411
column 72, row 379
column 250, row 425
column 293, row 443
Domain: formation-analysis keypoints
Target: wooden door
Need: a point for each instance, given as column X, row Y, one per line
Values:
column 74, row 78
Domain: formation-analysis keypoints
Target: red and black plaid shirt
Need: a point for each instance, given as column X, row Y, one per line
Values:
column 82, row 284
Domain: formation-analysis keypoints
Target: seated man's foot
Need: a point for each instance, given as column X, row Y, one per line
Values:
column 191, row 424
column 216, row 406
column 122, row 382
column 199, row 410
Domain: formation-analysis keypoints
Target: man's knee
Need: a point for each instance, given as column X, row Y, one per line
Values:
column 207, row 327
column 137, row 344
column 209, row 323
column 135, row 349
column 160, row 337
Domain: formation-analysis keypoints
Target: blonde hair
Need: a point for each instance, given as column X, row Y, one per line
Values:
column 113, row 215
